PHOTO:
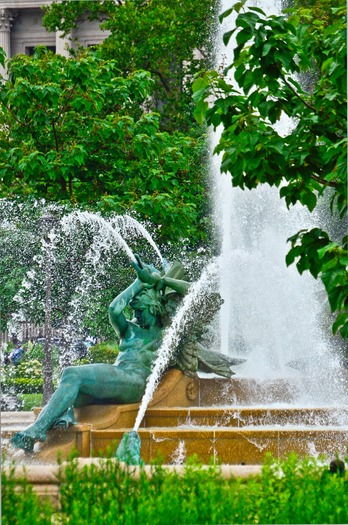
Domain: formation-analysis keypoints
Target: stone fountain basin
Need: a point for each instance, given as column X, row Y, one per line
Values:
column 183, row 417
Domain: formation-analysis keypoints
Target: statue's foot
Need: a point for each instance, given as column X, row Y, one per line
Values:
column 26, row 441
column 20, row 440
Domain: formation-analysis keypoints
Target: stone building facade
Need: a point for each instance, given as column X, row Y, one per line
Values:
column 21, row 29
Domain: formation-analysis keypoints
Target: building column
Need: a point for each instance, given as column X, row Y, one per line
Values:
column 7, row 16
column 63, row 43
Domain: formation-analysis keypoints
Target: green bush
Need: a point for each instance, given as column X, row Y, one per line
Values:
column 34, row 351
column 103, row 353
column 23, row 385
column 24, row 378
column 31, row 369
column 99, row 353
column 285, row 492
column 20, row 505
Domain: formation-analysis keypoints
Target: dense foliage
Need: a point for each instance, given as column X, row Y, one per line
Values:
column 112, row 128
column 310, row 160
column 287, row 492
column 171, row 40
column 74, row 130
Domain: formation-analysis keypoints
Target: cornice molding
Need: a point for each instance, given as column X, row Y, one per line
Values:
column 22, row 4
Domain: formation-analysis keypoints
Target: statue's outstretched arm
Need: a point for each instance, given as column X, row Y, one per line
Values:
column 116, row 315
column 175, row 284
column 151, row 276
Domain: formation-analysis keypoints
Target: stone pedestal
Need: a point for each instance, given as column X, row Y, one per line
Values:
column 175, row 389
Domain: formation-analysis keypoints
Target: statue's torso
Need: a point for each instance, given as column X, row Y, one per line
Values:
column 138, row 348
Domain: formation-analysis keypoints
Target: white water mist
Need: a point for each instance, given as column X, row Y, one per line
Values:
column 272, row 316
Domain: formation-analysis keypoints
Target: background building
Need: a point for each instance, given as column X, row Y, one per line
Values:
column 21, row 29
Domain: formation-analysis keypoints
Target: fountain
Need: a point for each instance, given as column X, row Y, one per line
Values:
column 203, row 414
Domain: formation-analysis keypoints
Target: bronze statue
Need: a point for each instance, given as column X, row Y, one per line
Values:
column 153, row 297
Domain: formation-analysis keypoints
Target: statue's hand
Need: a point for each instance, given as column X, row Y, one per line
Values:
column 65, row 420
column 147, row 274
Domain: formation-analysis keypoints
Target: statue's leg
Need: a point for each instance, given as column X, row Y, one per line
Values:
column 68, row 418
column 62, row 399
column 99, row 381
column 111, row 382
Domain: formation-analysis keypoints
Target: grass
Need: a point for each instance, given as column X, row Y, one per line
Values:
column 30, row 401
column 290, row 491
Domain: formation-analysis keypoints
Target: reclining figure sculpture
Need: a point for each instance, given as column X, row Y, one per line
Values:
column 154, row 297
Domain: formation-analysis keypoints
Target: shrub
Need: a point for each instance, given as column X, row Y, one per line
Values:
column 23, row 385
column 29, row 369
column 286, row 492
column 20, row 505
column 24, row 378
column 103, row 353
column 34, row 351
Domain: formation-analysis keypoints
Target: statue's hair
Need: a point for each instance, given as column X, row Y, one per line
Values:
column 149, row 300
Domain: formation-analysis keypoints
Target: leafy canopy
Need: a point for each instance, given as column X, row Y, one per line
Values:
column 311, row 158
column 76, row 130
column 171, row 40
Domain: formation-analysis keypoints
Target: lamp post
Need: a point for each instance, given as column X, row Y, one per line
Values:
column 48, row 222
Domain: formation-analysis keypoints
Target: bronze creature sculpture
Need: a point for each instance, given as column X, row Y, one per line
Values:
column 153, row 296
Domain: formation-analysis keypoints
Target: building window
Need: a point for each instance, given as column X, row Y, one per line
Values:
column 30, row 50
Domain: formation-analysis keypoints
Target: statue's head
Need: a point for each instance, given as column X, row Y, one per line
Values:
column 153, row 307
column 149, row 308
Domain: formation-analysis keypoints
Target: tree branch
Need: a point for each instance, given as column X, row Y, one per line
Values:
column 312, row 108
column 162, row 79
column 324, row 182
column 72, row 91
column 55, row 135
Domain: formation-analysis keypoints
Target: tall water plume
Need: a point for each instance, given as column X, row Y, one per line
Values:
column 271, row 315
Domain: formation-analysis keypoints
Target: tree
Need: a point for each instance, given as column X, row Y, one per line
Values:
column 171, row 40
column 311, row 159
column 74, row 130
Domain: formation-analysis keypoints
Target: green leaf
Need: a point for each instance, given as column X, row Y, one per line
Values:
column 243, row 36
column 227, row 36
column 200, row 111
column 327, row 248
column 2, row 57
column 257, row 10
column 266, row 48
column 309, row 199
column 226, row 13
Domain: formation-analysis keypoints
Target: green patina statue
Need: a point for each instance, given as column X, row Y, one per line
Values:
column 128, row 450
column 154, row 298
